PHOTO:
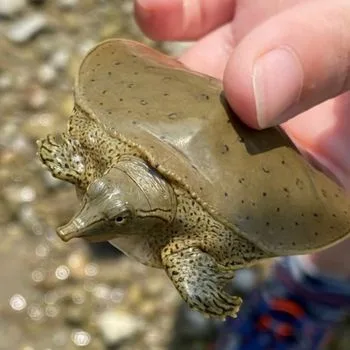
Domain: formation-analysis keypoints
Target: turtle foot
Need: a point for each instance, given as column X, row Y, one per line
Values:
column 60, row 154
column 201, row 282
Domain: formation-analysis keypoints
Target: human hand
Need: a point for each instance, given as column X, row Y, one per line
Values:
column 306, row 76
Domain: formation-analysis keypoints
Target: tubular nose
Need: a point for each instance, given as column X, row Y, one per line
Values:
column 68, row 231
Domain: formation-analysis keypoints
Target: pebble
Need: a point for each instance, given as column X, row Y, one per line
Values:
column 6, row 81
column 60, row 59
column 67, row 4
column 11, row 7
column 17, row 194
column 36, row 97
column 116, row 326
column 39, row 125
column 26, row 28
column 47, row 74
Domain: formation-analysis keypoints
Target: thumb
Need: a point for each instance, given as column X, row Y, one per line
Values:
column 290, row 63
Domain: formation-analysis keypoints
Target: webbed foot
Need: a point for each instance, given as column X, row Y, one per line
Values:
column 201, row 282
column 60, row 154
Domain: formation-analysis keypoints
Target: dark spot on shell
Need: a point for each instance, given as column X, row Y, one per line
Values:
column 172, row 115
column 205, row 96
column 104, row 91
column 131, row 85
column 265, row 170
column 296, row 223
column 134, row 122
column 225, row 194
column 121, row 99
column 165, row 94
column 283, row 162
column 129, row 111
column 225, row 149
column 143, row 102
column 278, row 210
column 101, row 103
column 136, row 73
column 293, row 244
column 116, row 63
column 242, row 201
column 267, row 223
column 247, row 217
column 92, row 80
column 316, row 234
column 109, row 112
column 264, row 194
column 109, row 73
column 299, row 183
column 315, row 215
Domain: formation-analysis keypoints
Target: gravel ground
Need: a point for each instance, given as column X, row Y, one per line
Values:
column 56, row 295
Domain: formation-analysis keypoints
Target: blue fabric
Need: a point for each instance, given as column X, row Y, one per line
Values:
column 294, row 309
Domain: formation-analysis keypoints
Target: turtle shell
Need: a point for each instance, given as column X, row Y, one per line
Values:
column 254, row 181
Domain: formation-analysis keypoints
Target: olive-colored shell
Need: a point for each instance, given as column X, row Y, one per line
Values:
column 255, row 180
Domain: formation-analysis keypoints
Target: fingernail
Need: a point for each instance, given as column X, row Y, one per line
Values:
column 277, row 82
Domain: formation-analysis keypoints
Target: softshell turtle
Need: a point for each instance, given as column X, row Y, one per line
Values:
column 167, row 173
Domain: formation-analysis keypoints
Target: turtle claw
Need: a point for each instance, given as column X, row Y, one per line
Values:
column 201, row 281
column 60, row 154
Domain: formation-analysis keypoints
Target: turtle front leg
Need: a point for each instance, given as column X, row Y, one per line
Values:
column 60, row 154
column 201, row 281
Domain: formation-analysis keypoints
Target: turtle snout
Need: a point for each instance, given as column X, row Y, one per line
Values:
column 68, row 231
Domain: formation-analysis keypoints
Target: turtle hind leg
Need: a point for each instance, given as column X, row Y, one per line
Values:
column 201, row 282
column 61, row 155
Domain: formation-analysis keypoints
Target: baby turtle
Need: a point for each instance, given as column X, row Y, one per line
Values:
column 169, row 175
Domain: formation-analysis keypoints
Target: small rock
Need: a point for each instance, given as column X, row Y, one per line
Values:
column 86, row 46
column 6, row 81
column 60, row 59
column 47, row 74
column 11, row 7
column 39, row 125
column 37, row 97
column 26, row 28
column 17, row 194
column 67, row 4
column 116, row 326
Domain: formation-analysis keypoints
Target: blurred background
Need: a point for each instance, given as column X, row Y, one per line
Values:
column 56, row 295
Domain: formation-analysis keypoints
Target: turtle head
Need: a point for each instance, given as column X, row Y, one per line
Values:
column 129, row 199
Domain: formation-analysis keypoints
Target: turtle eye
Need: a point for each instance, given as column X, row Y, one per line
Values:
column 122, row 218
